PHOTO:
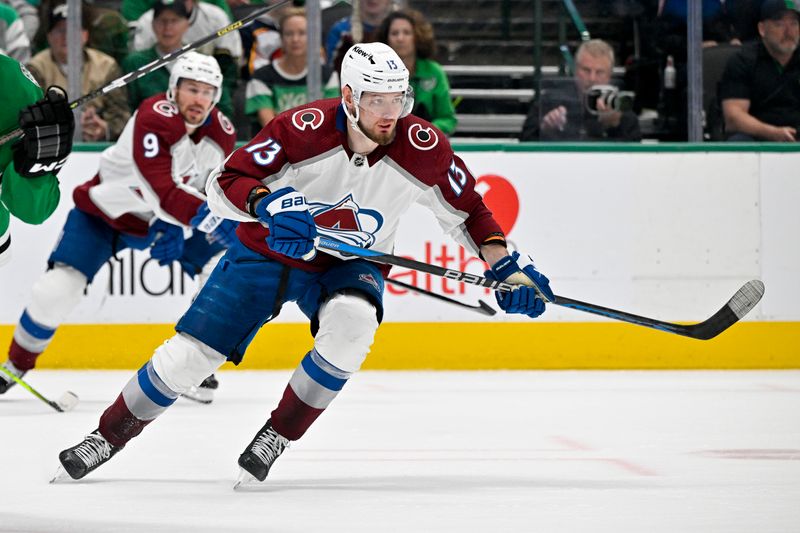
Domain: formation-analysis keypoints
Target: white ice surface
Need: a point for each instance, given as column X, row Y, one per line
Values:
column 427, row 451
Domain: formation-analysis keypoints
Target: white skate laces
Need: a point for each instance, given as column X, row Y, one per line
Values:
column 93, row 450
column 268, row 446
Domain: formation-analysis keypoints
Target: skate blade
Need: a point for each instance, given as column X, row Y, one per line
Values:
column 199, row 396
column 60, row 476
column 67, row 401
column 245, row 480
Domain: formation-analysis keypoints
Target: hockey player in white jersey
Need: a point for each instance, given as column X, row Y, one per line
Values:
column 347, row 169
column 148, row 193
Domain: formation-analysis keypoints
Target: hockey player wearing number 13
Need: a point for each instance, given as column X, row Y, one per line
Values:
column 148, row 191
column 344, row 168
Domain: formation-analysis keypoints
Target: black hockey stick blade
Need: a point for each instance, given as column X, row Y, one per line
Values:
column 482, row 307
column 738, row 306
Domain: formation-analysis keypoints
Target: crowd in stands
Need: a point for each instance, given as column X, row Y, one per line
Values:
column 750, row 44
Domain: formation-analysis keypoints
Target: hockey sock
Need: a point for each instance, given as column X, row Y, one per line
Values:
column 142, row 400
column 30, row 340
column 314, row 385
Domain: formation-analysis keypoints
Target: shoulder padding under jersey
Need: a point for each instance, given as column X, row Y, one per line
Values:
column 158, row 115
column 219, row 129
column 308, row 130
column 422, row 149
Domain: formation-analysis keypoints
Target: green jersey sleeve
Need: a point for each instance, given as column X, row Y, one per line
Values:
column 31, row 200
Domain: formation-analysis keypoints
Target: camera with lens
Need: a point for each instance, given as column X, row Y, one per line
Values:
column 611, row 96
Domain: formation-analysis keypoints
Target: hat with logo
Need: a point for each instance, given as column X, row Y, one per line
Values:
column 774, row 9
column 58, row 12
column 176, row 6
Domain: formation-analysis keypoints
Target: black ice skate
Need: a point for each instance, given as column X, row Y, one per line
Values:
column 5, row 380
column 86, row 456
column 259, row 455
column 203, row 393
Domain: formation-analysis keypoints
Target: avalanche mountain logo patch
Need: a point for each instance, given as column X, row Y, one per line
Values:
column 347, row 221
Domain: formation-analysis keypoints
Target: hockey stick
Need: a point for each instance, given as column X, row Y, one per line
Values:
column 65, row 403
column 144, row 70
column 482, row 307
column 738, row 306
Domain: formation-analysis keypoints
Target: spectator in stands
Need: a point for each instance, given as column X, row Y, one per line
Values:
column 133, row 9
column 342, row 35
column 27, row 12
column 668, row 38
column 760, row 89
column 261, row 43
column 108, row 31
column 204, row 19
column 103, row 118
column 571, row 120
column 170, row 22
column 281, row 85
column 411, row 36
column 13, row 40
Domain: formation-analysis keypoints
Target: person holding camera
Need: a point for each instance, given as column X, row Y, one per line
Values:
column 590, row 110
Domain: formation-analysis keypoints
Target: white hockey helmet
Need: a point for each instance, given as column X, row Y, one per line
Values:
column 195, row 66
column 375, row 67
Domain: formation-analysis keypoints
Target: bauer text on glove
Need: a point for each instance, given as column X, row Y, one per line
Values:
column 291, row 227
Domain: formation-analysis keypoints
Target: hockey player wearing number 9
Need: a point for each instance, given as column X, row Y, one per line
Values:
column 148, row 193
column 344, row 168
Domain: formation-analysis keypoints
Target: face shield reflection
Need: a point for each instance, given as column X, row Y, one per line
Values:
column 385, row 106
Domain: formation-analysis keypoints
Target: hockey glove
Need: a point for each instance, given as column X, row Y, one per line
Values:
column 167, row 242
column 216, row 228
column 291, row 227
column 534, row 287
column 48, row 126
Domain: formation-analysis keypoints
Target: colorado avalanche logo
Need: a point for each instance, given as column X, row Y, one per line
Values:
column 347, row 221
column 422, row 138
column 165, row 108
column 370, row 280
column 225, row 122
column 305, row 118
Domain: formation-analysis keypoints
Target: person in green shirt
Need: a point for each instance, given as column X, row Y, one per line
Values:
column 411, row 36
column 28, row 165
column 170, row 23
column 133, row 9
column 282, row 85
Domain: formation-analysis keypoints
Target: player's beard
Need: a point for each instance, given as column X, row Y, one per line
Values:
column 382, row 139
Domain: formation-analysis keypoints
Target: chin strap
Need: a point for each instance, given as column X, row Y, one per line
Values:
column 353, row 120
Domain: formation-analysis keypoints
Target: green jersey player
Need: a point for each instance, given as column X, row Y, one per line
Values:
column 28, row 165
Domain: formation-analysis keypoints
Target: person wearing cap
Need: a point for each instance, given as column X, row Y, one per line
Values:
column 133, row 9
column 170, row 23
column 760, row 88
column 104, row 117
column 204, row 19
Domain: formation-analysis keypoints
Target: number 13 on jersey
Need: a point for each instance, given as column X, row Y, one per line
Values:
column 265, row 152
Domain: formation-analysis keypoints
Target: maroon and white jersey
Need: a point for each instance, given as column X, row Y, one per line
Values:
column 355, row 199
column 156, row 169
